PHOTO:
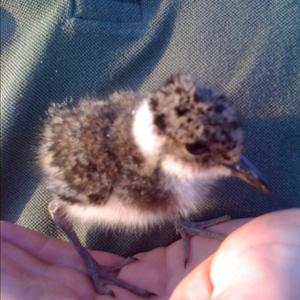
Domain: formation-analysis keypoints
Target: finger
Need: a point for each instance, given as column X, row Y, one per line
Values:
column 229, row 226
column 62, row 253
column 51, row 250
column 21, row 237
column 13, row 270
column 21, row 266
column 69, row 279
column 201, row 250
column 201, row 247
column 20, row 283
column 38, row 288
column 196, row 285
column 148, row 272
column 22, row 258
column 13, row 280
column 268, row 248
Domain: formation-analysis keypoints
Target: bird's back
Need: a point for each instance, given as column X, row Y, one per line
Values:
column 76, row 152
column 88, row 153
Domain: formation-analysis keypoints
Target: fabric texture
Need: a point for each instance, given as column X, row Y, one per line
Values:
column 54, row 51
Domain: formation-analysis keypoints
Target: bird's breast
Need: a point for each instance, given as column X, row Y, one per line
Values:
column 116, row 212
column 189, row 194
column 184, row 200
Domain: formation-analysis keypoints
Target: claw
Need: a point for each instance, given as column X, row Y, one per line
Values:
column 187, row 229
column 100, row 274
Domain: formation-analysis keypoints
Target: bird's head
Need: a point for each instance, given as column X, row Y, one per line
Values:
column 197, row 131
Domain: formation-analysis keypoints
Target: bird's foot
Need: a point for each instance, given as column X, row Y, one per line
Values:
column 187, row 229
column 100, row 274
column 119, row 265
column 101, row 277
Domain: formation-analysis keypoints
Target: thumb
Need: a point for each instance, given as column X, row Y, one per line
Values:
column 260, row 260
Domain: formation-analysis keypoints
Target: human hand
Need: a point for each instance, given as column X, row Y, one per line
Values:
column 260, row 260
column 259, row 257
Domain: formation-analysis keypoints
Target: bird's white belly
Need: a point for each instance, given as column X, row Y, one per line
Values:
column 190, row 193
column 187, row 200
column 115, row 213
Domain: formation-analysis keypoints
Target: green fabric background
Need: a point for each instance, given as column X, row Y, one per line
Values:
column 57, row 50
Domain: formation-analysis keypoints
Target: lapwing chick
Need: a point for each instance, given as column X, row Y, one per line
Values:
column 135, row 161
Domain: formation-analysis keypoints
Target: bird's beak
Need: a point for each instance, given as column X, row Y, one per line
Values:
column 247, row 172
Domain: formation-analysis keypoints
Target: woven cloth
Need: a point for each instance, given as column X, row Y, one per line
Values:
column 57, row 50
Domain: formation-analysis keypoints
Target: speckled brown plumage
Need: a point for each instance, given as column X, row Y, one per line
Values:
column 88, row 152
column 93, row 148
column 137, row 161
column 200, row 118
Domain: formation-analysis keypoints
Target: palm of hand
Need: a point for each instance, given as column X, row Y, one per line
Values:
column 257, row 260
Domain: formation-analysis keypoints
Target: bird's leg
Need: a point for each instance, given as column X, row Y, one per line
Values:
column 187, row 229
column 99, row 273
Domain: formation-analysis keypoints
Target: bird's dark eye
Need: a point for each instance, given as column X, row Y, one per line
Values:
column 197, row 148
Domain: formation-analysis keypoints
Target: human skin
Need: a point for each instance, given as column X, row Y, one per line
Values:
column 259, row 259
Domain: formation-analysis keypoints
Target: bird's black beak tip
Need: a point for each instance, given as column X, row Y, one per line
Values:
column 247, row 172
column 265, row 188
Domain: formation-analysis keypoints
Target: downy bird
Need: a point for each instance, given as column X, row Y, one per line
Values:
column 138, row 160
